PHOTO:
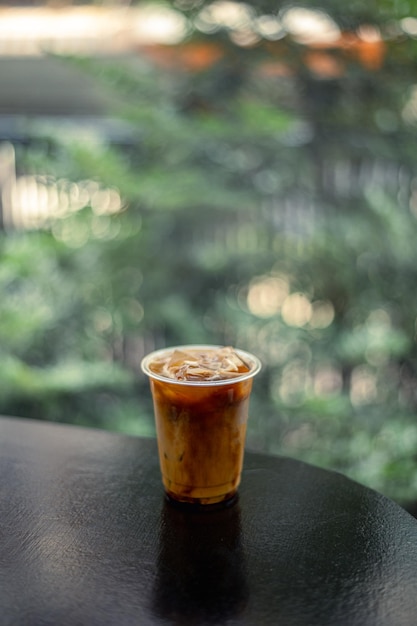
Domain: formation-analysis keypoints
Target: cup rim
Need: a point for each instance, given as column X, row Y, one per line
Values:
column 257, row 365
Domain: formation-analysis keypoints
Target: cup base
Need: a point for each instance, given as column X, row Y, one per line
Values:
column 202, row 504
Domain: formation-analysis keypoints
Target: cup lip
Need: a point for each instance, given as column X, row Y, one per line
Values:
column 257, row 365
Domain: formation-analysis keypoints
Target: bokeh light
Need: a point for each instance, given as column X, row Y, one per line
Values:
column 363, row 389
column 266, row 295
column 296, row 310
column 310, row 26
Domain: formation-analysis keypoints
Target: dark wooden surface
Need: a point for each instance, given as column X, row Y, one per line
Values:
column 86, row 538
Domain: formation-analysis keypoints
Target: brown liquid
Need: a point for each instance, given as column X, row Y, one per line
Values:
column 201, row 435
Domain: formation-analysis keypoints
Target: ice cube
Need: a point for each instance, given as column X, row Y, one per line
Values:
column 204, row 364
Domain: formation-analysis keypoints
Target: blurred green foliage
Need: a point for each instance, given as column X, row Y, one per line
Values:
column 264, row 204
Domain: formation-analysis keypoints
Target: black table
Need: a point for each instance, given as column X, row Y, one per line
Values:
column 86, row 538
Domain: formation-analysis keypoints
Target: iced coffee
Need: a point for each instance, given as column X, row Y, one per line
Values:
column 201, row 400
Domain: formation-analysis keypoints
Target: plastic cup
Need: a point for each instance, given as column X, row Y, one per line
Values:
column 201, row 430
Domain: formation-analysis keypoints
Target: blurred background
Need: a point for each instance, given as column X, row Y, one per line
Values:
column 239, row 173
